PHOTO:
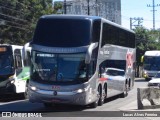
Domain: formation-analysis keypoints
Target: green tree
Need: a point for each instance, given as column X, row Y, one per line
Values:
column 146, row 40
column 58, row 8
column 19, row 18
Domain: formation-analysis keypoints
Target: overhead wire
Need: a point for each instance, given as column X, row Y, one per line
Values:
column 9, row 16
column 128, row 18
column 6, row 7
column 13, row 22
column 15, row 27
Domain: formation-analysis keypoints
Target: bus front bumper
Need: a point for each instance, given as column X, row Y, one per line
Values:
column 43, row 96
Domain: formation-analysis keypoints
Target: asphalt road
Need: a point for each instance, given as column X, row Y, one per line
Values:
column 113, row 107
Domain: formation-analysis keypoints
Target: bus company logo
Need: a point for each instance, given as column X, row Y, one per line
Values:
column 106, row 52
column 101, row 52
column 55, row 93
column 129, row 59
column 54, row 87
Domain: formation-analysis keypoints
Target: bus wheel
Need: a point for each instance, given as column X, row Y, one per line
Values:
column 105, row 91
column 26, row 91
column 126, row 89
column 94, row 104
column 101, row 97
column 125, row 93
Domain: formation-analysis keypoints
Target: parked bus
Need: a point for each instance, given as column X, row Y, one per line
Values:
column 151, row 66
column 14, row 71
column 71, row 53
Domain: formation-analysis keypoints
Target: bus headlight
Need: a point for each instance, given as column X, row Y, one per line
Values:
column 11, row 78
column 33, row 88
column 12, row 81
column 82, row 90
column 145, row 74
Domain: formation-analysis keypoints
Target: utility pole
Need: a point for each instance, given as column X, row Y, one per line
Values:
column 65, row 7
column 134, row 20
column 96, row 4
column 88, row 7
column 153, row 6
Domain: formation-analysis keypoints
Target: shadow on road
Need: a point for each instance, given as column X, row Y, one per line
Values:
column 25, row 106
column 140, row 80
column 11, row 97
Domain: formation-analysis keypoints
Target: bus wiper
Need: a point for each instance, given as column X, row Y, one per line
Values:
column 4, row 67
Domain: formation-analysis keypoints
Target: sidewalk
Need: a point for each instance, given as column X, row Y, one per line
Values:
column 133, row 107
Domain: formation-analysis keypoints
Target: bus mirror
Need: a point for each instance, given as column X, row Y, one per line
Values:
column 26, row 49
column 142, row 59
column 89, row 52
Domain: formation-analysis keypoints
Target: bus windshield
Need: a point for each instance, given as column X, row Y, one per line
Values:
column 62, row 32
column 58, row 67
column 6, row 64
column 152, row 63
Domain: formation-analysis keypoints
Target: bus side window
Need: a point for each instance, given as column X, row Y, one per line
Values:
column 92, row 65
column 27, row 62
column 18, row 60
column 91, row 68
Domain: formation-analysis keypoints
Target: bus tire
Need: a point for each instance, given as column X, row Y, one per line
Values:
column 101, row 97
column 125, row 93
column 126, row 89
column 105, row 91
column 129, row 85
column 26, row 96
column 97, row 102
column 94, row 104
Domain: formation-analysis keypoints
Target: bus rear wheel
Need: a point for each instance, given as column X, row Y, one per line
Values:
column 125, row 93
column 101, row 97
column 94, row 104
column 126, row 89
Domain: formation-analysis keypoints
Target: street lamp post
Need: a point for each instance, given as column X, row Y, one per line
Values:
column 88, row 7
column 64, row 6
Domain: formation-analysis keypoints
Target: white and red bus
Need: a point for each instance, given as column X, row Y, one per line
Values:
column 69, row 55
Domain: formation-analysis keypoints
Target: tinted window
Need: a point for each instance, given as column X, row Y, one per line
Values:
column 6, row 61
column 58, row 68
column 151, row 63
column 107, row 35
column 96, row 30
column 117, row 36
column 62, row 32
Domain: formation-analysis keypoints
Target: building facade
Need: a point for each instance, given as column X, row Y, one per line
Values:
column 109, row 9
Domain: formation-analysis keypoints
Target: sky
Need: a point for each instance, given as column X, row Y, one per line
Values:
column 138, row 8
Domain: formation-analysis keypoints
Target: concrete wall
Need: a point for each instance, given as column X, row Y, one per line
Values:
column 148, row 98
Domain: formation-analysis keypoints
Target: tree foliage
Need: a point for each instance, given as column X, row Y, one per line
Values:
column 146, row 40
column 18, row 19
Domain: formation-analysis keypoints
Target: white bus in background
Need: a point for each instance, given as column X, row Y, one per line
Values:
column 151, row 64
column 14, row 71
column 69, row 55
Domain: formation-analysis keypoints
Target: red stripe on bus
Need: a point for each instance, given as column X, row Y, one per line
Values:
column 102, row 79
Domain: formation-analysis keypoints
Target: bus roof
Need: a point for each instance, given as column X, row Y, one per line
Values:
column 117, row 25
column 53, row 16
column 152, row 53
